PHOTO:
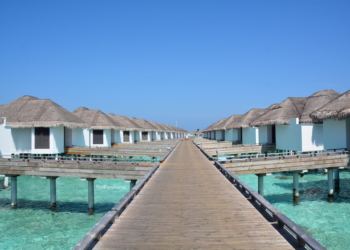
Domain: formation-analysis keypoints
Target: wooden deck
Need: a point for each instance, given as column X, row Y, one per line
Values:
column 287, row 163
column 189, row 204
column 84, row 169
column 149, row 149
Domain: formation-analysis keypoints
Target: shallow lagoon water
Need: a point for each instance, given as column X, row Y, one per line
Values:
column 328, row 222
column 35, row 226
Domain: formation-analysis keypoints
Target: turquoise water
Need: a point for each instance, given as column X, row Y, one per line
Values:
column 328, row 222
column 35, row 226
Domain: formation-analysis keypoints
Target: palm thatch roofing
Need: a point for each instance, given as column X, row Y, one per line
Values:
column 168, row 128
column 158, row 126
column 177, row 129
column 338, row 108
column 211, row 126
column 96, row 119
column 146, row 125
column 230, row 121
column 163, row 127
column 29, row 111
column 291, row 107
column 220, row 125
column 243, row 121
column 316, row 101
column 127, row 124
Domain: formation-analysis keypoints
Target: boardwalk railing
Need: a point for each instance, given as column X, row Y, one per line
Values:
column 34, row 158
column 278, row 156
column 302, row 237
column 95, row 233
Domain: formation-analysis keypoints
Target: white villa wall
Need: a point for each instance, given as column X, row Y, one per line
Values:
column 155, row 135
column 137, row 135
column 132, row 136
column 56, row 141
column 218, row 135
column 5, row 139
column 250, row 135
column 334, row 134
column 212, row 136
column 288, row 137
column 149, row 136
column 236, row 134
column 21, row 140
column 81, row 137
column 299, row 137
column 312, row 137
column 265, row 134
column 229, row 135
column 118, row 136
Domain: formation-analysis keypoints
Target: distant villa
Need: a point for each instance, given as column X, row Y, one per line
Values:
column 318, row 122
column 29, row 125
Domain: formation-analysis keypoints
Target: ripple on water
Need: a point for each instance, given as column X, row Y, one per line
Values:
column 35, row 226
column 326, row 221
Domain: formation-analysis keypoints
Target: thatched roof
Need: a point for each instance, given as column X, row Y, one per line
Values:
column 316, row 101
column 146, row 125
column 220, row 125
column 125, row 122
column 177, row 129
column 157, row 125
column 243, row 121
column 29, row 111
column 230, row 121
column 338, row 108
column 168, row 128
column 291, row 107
column 211, row 126
column 165, row 127
column 96, row 119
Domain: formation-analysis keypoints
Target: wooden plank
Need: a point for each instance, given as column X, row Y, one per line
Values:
column 188, row 204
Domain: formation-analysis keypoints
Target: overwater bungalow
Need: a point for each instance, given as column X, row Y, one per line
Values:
column 30, row 125
column 278, row 114
column 169, row 131
column 210, row 133
column 231, row 132
column 336, row 122
column 294, row 129
column 177, row 131
column 130, row 128
column 100, row 129
column 219, row 129
column 156, row 135
column 165, row 133
column 251, row 135
column 148, row 128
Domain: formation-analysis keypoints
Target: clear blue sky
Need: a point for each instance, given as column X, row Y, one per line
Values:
column 193, row 62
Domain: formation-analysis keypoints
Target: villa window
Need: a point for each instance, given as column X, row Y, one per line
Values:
column 42, row 138
column 145, row 136
column 126, row 136
column 97, row 136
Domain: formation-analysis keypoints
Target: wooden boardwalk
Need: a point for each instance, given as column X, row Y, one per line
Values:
column 189, row 204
